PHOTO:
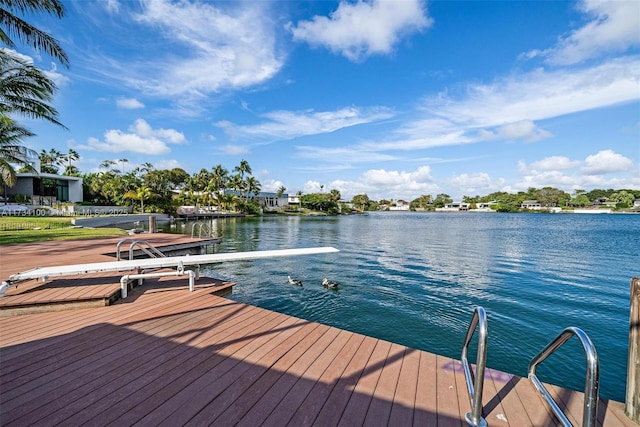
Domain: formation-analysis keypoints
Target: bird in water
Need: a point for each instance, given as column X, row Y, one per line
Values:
column 294, row 281
column 329, row 285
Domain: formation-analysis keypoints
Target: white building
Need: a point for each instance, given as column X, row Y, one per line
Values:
column 44, row 189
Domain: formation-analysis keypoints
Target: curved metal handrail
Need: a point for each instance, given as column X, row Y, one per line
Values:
column 589, row 415
column 475, row 384
column 150, row 250
column 200, row 225
column 126, row 239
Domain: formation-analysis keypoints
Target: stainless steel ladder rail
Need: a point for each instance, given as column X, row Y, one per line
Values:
column 200, row 226
column 150, row 250
column 475, row 383
column 589, row 415
column 126, row 239
column 152, row 253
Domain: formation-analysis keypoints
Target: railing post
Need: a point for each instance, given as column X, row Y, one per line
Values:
column 632, row 401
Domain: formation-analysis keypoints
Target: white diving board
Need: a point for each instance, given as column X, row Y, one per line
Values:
column 153, row 263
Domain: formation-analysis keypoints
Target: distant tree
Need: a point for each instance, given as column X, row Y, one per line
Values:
column 220, row 177
column 441, row 200
column 623, row 199
column 361, row 201
column 141, row 193
column 107, row 164
column 243, row 168
column 237, row 183
column 580, row 200
column 281, row 191
column 335, row 195
column 177, row 177
column 122, row 163
column 319, row 202
column 550, row 196
column 422, row 202
column 48, row 160
column 252, row 185
column 66, row 159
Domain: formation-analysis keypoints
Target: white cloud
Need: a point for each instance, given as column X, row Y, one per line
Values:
column 111, row 6
column 523, row 129
column 234, row 150
column 142, row 128
column 129, row 103
column 479, row 183
column 613, row 28
column 59, row 79
column 554, row 172
column 225, row 46
column 606, row 161
column 168, row 164
column 141, row 138
column 541, row 95
column 280, row 125
column 381, row 183
column 357, row 30
column 341, row 154
column 222, row 48
column 555, row 163
column 272, row 186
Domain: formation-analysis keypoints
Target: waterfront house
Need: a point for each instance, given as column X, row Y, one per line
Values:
column 400, row 205
column 454, row 207
column 271, row 201
column 44, row 189
column 532, row 205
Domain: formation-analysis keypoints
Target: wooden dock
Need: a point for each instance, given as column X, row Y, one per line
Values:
column 90, row 290
column 167, row 356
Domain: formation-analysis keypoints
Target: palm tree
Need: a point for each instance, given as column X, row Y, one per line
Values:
column 25, row 90
column 122, row 162
column 141, row 193
column 237, row 183
column 243, row 168
column 220, row 176
column 252, row 185
column 106, row 164
column 12, row 151
column 70, row 169
column 48, row 160
column 12, row 25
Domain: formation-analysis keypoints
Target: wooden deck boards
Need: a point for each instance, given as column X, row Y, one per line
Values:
column 167, row 356
column 182, row 358
column 89, row 290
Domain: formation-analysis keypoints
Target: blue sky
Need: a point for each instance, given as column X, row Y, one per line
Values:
column 394, row 99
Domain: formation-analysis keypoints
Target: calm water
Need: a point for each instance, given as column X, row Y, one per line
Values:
column 415, row 279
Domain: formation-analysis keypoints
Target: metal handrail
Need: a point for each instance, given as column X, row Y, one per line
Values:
column 589, row 415
column 200, row 225
column 475, row 384
column 152, row 253
column 126, row 239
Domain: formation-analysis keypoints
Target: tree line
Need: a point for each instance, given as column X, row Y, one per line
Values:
column 502, row 201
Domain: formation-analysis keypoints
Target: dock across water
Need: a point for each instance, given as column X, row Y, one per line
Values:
column 167, row 356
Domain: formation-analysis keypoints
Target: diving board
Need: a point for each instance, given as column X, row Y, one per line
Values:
column 153, row 263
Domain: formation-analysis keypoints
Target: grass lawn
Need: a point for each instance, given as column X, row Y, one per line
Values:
column 38, row 229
